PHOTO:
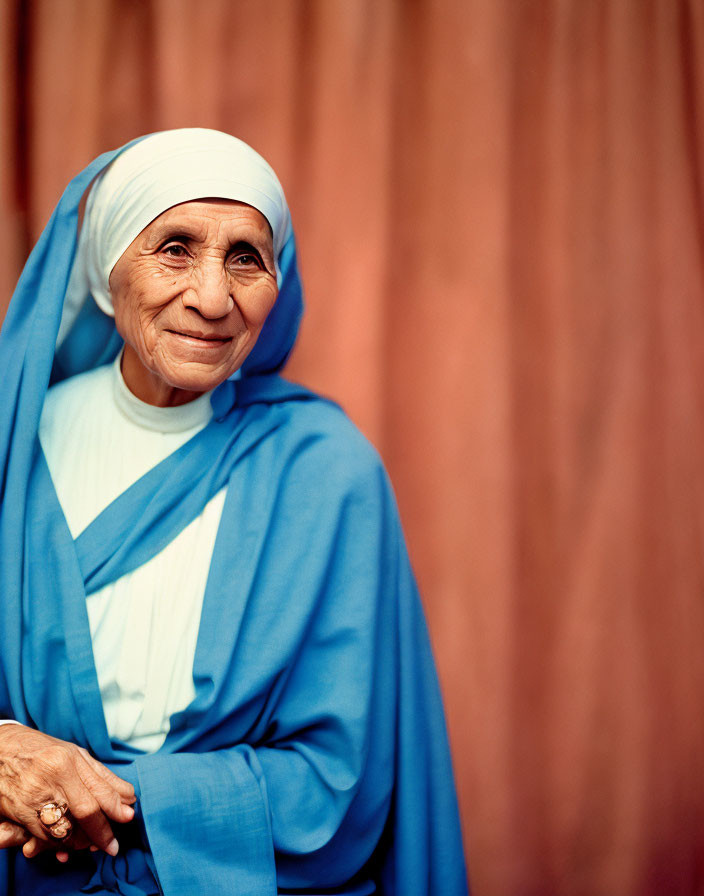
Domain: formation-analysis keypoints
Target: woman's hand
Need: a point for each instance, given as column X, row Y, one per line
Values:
column 36, row 769
column 12, row 834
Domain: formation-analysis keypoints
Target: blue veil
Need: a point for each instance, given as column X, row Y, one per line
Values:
column 313, row 758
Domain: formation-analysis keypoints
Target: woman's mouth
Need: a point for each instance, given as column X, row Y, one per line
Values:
column 200, row 339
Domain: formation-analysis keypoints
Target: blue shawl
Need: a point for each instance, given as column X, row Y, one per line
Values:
column 313, row 758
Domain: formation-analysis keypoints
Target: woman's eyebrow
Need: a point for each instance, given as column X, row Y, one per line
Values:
column 243, row 244
column 174, row 231
column 260, row 248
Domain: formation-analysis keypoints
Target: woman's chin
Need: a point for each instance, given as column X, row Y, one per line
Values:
column 176, row 383
column 197, row 380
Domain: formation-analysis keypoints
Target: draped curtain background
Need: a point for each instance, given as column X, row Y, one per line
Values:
column 499, row 206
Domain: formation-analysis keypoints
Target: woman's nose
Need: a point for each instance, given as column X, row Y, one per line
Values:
column 209, row 292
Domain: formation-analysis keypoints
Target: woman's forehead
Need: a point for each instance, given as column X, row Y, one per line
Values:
column 199, row 215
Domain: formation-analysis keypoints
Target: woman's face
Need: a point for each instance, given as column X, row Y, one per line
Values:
column 191, row 294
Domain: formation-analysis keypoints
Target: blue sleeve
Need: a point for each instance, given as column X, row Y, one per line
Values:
column 207, row 822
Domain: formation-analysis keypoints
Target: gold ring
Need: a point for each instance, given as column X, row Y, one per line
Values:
column 55, row 820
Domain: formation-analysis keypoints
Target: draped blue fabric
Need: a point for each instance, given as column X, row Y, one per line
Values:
column 313, row 758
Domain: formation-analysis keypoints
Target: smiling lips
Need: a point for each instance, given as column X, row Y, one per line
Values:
column 201, row 340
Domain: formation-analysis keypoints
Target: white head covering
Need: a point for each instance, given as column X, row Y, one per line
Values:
column 150, row 177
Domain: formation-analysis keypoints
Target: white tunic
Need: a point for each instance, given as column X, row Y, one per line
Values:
column 98, row 439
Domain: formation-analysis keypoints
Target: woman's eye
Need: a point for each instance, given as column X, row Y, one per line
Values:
column 174, row 250
column 245, row 260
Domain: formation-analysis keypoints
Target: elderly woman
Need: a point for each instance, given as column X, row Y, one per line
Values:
column 214, row 669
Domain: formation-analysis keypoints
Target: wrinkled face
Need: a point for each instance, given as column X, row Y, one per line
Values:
column 191, row 294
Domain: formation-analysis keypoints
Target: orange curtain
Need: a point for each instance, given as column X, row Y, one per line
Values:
column 500, row 212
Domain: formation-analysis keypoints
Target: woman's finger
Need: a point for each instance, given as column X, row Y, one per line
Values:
column 108, row 798
column 124, row 788
column 12, row 834
column 31, row 847
column 86, row 811
column 35, row 846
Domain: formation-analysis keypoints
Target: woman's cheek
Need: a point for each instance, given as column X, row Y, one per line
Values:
column 263, row 300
